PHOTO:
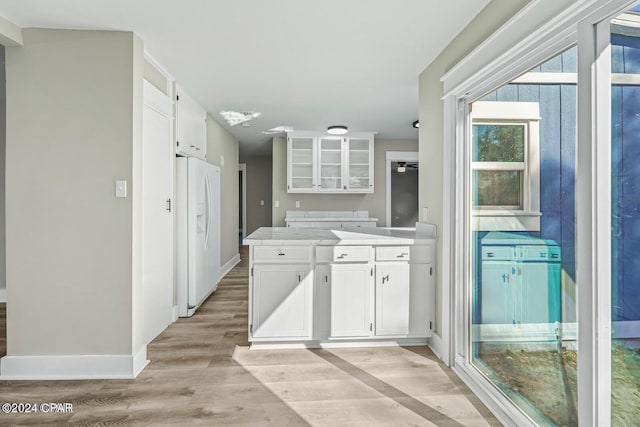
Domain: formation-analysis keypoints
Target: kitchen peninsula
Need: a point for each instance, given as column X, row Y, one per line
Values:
column 349, row 287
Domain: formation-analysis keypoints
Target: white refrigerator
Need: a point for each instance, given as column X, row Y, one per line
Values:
column 197, row 232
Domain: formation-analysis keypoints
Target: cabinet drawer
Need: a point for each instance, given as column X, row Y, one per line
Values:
column 281, row 253
column 392, row 253
column 351, row 254
column 503, row 253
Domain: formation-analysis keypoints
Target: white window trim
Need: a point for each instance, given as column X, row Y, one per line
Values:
column 528, row 217
column 540, row 30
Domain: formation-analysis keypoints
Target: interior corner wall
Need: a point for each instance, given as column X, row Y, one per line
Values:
column 258, row 182
column 222, row 151
column 375, row 202
column 69, row 240
column 432, row 168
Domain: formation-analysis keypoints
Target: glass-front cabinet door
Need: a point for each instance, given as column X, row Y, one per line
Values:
column 330, row 161
column 301, row 155
column 359, row 164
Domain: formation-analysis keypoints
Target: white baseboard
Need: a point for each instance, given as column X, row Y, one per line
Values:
column 404, row 342
column 3, row 295
column 175, row 314
column 74, row 367
column 228, row 266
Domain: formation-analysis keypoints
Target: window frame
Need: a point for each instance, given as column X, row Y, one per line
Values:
column 525, row 217
column 539, row 31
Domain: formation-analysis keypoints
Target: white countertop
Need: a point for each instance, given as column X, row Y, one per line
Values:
column 424, row 233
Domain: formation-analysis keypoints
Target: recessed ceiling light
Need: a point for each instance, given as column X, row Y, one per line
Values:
column 237, row 117
column 416, row 124
column 337, row 130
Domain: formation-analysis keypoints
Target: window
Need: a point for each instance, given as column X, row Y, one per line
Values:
column 505, row 166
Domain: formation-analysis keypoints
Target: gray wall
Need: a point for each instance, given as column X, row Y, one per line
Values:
column 74, row 116
column 3, row 139
column 431, row 116
column 222, row 150
column 375, row 203
column 258, row 188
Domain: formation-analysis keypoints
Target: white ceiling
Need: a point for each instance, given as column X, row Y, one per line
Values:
column 301, row 63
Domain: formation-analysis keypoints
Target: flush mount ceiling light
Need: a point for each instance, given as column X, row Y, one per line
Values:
column 238, row 117
column 278, row 129
column 337, row 130
column 416, row 124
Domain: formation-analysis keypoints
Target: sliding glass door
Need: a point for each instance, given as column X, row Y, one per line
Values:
column 625, row 218
column 523, row 279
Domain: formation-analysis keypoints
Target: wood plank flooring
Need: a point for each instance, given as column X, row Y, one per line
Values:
column 202, row 373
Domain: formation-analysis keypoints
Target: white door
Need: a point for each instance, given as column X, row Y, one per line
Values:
column 157, row 219
column 198, row 211
column 392, row 299
column 281, row 302
column 350, row 300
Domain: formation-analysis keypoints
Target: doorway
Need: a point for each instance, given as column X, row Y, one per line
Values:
column 242, row 220
column 402, row 188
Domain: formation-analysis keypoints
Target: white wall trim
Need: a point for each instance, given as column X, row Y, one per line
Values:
column 175, row 314
column 228, row 266
column 73, row 367
column 435, row 344
column 242, row 167
column 3, row 295
column 396, row 156
column 10, row 33
column 162, row 71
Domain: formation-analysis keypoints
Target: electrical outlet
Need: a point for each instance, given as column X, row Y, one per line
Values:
column 425, row 214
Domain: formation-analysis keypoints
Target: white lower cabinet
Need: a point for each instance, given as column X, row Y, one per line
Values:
column 281, row 304
column 322, row 302
column 350, row 300
column 392, row 299
column 422, row 304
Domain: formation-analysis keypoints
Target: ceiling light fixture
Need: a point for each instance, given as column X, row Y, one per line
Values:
column 278, row 129
column 337, row 130
column 237, row 117
column 416, row 124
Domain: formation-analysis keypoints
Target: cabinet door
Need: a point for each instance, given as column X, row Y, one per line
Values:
column 191, row 126
column 300, row 162
column 350, row 300
column 497, row 293
column 322, row 302
column 359, row 171
column 392, row 299
column 330, row 161
column 281, row 301
column 422, row 297
column 540, row 292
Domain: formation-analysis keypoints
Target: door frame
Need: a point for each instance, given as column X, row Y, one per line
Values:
column 242, row 167
column 396, row 156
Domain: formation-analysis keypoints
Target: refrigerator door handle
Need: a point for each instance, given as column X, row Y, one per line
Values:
column 207, row 186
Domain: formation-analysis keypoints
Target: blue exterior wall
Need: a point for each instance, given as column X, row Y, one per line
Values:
column 625, row 123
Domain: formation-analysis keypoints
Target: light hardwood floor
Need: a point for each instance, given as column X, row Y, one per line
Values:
column 203, row 373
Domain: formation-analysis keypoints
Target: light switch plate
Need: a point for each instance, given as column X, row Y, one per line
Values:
column 261, row 202
column 297, row 203
column 425, row 214
column 276, row 204
column 121, row 188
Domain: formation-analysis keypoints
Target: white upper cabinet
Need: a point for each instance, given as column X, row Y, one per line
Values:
column 191, row 126
column 301, row 158
column 320, row 163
